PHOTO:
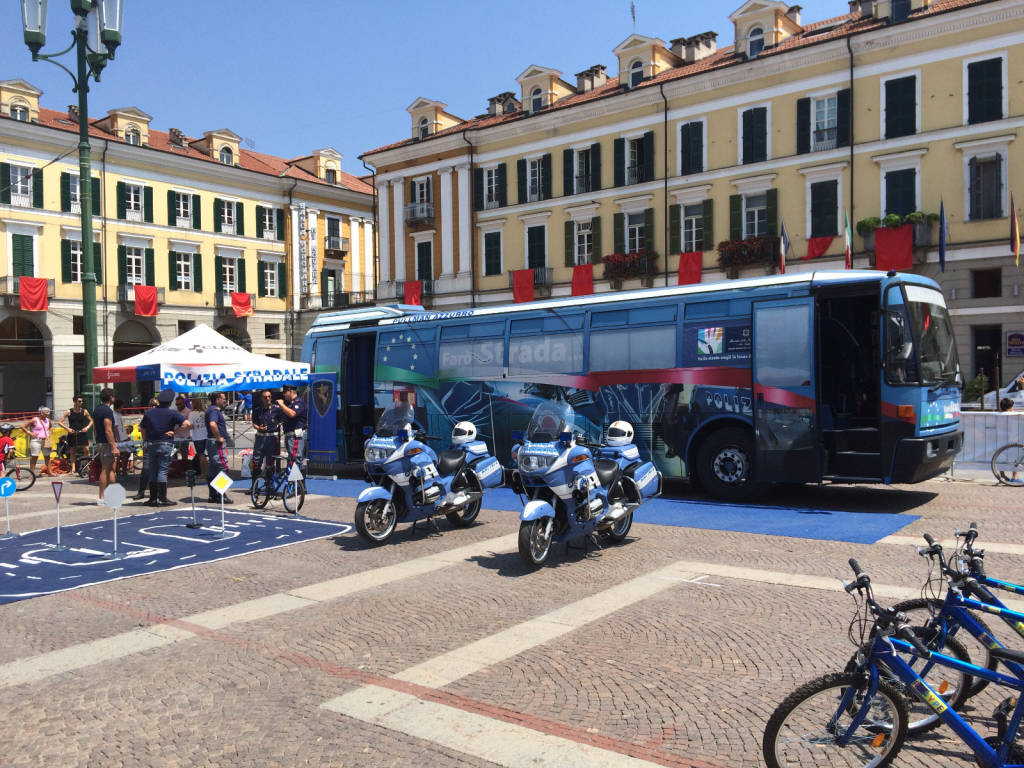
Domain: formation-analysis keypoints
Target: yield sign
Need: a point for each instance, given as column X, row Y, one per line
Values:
column 58, row 485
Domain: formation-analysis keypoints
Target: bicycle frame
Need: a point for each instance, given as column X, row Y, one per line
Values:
column 958, row 609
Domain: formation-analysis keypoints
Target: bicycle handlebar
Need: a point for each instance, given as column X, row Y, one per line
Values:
column 886, row 617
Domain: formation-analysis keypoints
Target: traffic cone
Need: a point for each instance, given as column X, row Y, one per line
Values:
column 191, row 450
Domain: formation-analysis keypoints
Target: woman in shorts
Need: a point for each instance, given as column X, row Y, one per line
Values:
column 77, row 422
column 40, row 439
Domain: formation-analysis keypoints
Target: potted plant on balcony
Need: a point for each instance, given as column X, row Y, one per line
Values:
column 622, row 266
column 922, row 226
column 733, row 254
column 866, row 229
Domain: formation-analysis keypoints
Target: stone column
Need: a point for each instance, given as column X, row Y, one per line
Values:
column 356, row 283
column 465, row 214
column 398, row 185
column 368, row 254
column 384, row 204
column 447, row 235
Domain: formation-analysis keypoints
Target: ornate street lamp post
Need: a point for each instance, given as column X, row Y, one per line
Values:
column 95, row 37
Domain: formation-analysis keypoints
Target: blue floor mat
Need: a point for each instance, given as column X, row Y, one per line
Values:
column 822, row 524
column 151, row 542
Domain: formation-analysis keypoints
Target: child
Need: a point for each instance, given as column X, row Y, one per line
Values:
column 6, row 446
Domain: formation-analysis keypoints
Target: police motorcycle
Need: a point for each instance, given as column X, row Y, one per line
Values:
column 411, row 482
column 574, row 488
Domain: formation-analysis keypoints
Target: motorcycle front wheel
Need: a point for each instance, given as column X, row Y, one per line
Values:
column 535, row 541
column 376, row 520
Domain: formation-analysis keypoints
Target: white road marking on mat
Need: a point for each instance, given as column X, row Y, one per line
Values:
column 472, row 734
column 7, row 565
column 82, row 655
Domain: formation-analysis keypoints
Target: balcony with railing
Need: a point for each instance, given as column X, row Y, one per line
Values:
column 346, row 299
column 824, row 138
column 223, row 301
column 635, row 174
column 491, row 202
column 126, row 294
column 335, row 245
column 426, row 288
column 419, row 213
column 534, row 193
column 582, row 184
column 10, row 290
column 541, row 276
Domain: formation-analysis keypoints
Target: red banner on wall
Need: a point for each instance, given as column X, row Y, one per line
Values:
column 522, row 285
column 413, row 292
column 691, row 264
column 241, row 303
column 33, row 294
column 145, row 301
column 583, row 280
column 816, row 246
column 894, row 248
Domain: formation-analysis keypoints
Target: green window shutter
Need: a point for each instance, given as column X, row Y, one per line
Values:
column 172, row 216
column 648, row 165
column 218, row 274
column 735, row 217
column 545, row 177
column 218, row 213
column 96, row 197
column 595, row 167
column 261, row 280
column 325, row 297
column 241, row 275
column 122, row 200
column 803, row 126
column 122, row 264
column 674, row 228
column 619, row 159
column 239, row 219
column 172, row 270
column 521, row 179
column 709, row 224
column 492, row 253
column 570, row 241
column 502, row 186
column 259, row 221
column 97, row 263
column 843, row 114
column 197, row 272
column 5, row 183
column 649, row 229
column 595, row 237
column 150, row 266
column 37, row 187
column 824, row 207
column 478, row 189
column 197, row 212
column 65, row 261
column 619, row 233
column 772, row 211
column 568, row 186
column 279, row 216
column 900, row 195
column 147, row 204
column 282, row 280
column 21, row 247
column 984, row 90
column 900, row 106
column 65, row 192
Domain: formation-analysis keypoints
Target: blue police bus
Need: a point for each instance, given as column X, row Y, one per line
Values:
column 846, row 377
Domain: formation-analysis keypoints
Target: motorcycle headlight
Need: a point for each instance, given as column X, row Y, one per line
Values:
column 375, row 455
column 532, row 462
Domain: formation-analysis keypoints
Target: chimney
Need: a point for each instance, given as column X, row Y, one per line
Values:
column 861, row 8
column 691, row 49
column 793, row 14
column 73, row 112
column 177, row 138
column 590, row 79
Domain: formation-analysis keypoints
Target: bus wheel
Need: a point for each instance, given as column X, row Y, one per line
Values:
column 725, row 465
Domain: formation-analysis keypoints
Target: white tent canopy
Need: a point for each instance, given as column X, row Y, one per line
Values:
column 201, row 360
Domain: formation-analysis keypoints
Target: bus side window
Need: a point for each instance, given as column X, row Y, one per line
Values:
column 899, row 349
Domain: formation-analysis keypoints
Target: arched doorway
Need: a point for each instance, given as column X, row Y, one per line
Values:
column 132, row 338
column 238, row 335
column 22, row 366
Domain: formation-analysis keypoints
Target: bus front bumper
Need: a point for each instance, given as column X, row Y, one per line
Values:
column 919, row 458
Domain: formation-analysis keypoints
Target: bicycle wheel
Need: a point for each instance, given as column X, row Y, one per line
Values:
column 1008, row 464
column 920, row 611
column 260, row 492
column 24, row 478
column 293, row 495
column 804, row 730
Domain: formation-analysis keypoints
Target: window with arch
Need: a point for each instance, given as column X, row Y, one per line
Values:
column 19, row 112
column 331, row 176
column 536, row 100
column 424, row 129
column 133, row 135
column 636, row 73
column 227, row 156
column 755, row 42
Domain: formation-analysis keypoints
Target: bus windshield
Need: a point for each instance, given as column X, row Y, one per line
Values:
column 550, row 419
column 933, row 332
column 397, row 417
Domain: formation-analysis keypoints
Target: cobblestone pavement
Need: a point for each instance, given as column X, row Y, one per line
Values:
column 442, row 650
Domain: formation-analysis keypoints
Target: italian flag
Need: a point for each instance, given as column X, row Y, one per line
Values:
column 849, row 240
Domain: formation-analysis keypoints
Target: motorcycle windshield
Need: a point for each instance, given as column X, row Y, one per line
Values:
column 550, row 419
column 397, row 417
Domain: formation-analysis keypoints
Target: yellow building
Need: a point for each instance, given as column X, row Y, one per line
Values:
column 692, row 148
column 198, row 218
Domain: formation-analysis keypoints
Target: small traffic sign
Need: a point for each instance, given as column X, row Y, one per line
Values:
column 115, row 495
column 58, row 485
column 221, row 483
column 294, row 474
column 7, row 487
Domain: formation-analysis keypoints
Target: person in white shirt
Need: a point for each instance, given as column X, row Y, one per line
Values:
column 199, row 435
column 182, row 435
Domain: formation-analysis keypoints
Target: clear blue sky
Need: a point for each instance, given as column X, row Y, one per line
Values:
column 297, row 75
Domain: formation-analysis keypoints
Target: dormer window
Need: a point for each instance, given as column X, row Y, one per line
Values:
column 536, row 100
column 510, row 107
column 331, row 176
column 755, row 42
column 19, row 112
column 227, row 156
column 636, row 73
column 424, row 128
column 133, row 136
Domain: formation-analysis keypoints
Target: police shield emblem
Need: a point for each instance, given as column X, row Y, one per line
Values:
column 323, row 394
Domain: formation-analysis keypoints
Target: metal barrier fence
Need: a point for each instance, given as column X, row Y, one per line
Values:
column 985, row 433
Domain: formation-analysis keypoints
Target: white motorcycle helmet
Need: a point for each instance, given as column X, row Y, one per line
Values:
column 620, row 433
column 464, row 432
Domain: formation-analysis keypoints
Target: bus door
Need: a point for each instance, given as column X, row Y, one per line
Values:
column 785, row 412
column 357, row 391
